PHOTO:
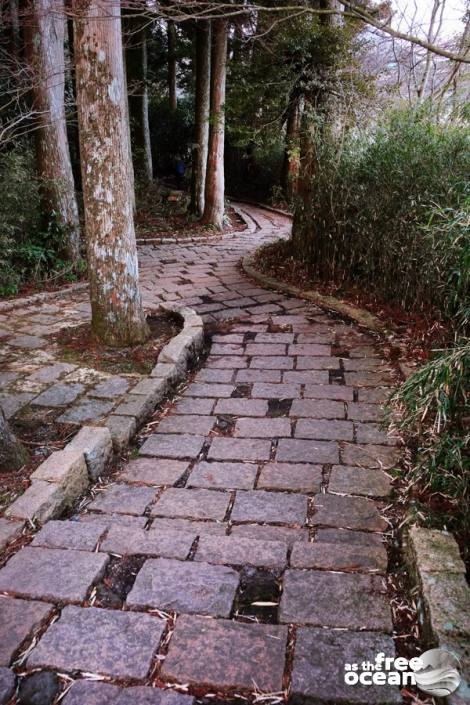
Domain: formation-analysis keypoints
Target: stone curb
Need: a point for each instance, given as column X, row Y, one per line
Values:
column 437, row 570
column 331, row 303
column 65, row 474
column 26, row 301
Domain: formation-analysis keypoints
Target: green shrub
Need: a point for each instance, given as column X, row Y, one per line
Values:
column 29, row 248
column 391, row 213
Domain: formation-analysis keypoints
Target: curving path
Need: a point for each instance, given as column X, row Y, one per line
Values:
column 242, row 551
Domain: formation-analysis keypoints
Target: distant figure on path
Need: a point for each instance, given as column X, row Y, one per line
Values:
column 180, row 169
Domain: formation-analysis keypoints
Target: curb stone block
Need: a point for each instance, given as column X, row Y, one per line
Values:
column 41, row 501
column 96, row 445
column 154, row 388
column 165, row 370
column 9, row 530
column 121, row 428
column 66, row 468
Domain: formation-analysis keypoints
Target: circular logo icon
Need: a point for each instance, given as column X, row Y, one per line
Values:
column 437, row 672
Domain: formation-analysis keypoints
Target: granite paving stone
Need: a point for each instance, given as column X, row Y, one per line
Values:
column 356, row 538
column 144, row 695
column 370, row 456
column 249, row 376
column 329, row 391
column 204, row 389
column 239, row 449
column 350, row 558
column 294, row 477
column 194, row 406
column 185, row 586
column 111, row 388
column 269, row 532
column 222, row 654
column 297, row 450
column 341, row 600
column 236, row 550
column 345, row 479
column 9, row 530
column 271, row 507
column 87, row 410
column 265, row 390
column 192, row 504
column 318, row 409
column 357, row 513
column 374, row 433
column 318, row 668
column 7, row 685
column 173, row 445
column 262, row 428
column 52, row 574
column 301, row 377
column 219, row 475
column 69, row 534
column 122, row 646
column 324, row 430
column 18, row 620
column 154, row 471
column 90, row 692
column 123, row 499
column 358, row 411
column 272, row 363
column 124, row 540
column 189, row 526
column 59, row 394
column 198, row 425
column 242, row 407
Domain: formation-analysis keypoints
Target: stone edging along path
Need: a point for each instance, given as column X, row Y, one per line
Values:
column 66, row 474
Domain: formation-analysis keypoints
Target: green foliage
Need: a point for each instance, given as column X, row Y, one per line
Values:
column 434, row 415
column 390, row 211
column 28, row 249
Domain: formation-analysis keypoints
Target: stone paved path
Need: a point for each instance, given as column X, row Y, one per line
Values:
column 249, row 529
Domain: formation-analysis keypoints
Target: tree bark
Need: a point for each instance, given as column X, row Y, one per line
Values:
column 136, row 70
column 290, row 166
column 215, row 180
column 13, row 455
column 201, row 137
column 171, row 38
column 45, row 49
column 117, row 314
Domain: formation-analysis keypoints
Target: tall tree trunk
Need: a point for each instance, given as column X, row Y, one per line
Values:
column 13, row 455
column 171, row 38
column 215, row 180
column 201, row 137
column 290, row 166
column 117, row 314
column 45, row 48
column 136, row 70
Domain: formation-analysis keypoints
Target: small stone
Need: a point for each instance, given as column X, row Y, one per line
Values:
column 87, row 410
column 192, row 504
column 185, row 587
column 218, row 475
column 170, row 445
column 362, row 481
column 18, row 620
column 221, row 654
column 111, row 388
column 52, row 574
column 96, row 444
column 152, row 471
column 318, row 670
column 69, row 534
column 39, row 689
column 299, row 451
column 345, row 600
column 59, row 394
column 356, row 513
column 239, row 449
column 168, row 544
column 234, row 550
column 351, row 558
column 270, row 533
column 121, row 428
column 122, row 499
column 122, row 644
column 7, row 685
column 9, row 530
column 270, row 507
column 291, row 476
